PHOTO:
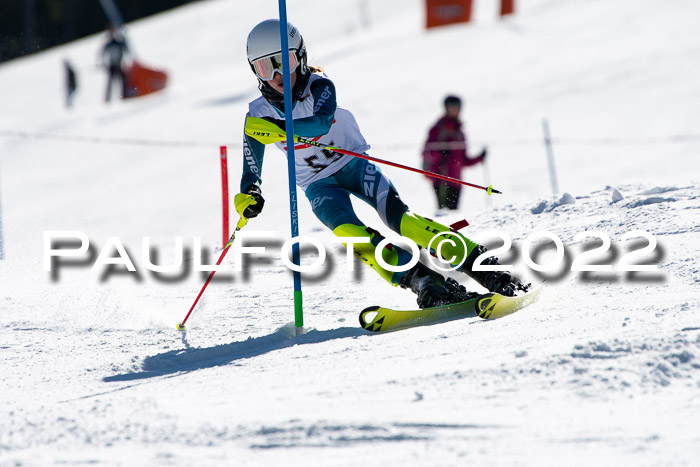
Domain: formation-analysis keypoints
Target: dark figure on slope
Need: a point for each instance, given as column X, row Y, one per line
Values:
column 71, row 82
column 113, row 54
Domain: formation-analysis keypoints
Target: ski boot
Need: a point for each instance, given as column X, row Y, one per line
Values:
column 432, row 288
column 501, row 282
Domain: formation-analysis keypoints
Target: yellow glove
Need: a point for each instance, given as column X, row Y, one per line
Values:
column 249, row 203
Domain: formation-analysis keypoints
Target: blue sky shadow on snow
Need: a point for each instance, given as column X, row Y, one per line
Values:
column 192, row 359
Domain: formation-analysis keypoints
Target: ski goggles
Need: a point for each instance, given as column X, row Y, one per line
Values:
column 266, row 67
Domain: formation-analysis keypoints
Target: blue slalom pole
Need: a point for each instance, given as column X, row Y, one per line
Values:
column 289, row 122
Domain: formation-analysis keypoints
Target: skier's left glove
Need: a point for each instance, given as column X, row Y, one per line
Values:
column 249, row 203
column 483, row 154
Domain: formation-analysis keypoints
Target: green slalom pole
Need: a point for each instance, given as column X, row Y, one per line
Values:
column 289, row 123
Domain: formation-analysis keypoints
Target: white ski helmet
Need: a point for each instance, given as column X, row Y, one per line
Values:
column 264, row 48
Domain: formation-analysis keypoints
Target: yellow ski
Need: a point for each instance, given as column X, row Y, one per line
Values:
column 486, row 306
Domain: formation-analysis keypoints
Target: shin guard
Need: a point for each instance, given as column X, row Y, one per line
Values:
column 367, row 251
column 452, row 246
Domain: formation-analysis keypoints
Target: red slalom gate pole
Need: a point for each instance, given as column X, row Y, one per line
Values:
column 241, row 223
column 224, row 193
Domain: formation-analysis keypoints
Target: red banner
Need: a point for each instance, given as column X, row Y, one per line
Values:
column 507, row 7
column 443, row 12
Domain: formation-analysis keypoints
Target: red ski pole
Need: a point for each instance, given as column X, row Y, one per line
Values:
column 241, row 223
column 488, row 189
column 267, row 132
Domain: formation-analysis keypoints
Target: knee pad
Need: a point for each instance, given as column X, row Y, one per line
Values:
column 421, row 230
column 367, row 251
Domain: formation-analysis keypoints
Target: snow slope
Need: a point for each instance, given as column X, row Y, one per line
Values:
column 603, row 369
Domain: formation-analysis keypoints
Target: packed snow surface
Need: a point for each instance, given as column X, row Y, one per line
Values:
column 603, row 370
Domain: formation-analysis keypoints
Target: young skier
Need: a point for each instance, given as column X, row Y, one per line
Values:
column 329, row 178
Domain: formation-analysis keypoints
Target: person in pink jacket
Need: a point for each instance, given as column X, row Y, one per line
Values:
column 446, row 153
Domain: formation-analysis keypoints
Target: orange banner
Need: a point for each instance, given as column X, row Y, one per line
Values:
column 443, row 12
column 141, row 80
column 507, row 7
